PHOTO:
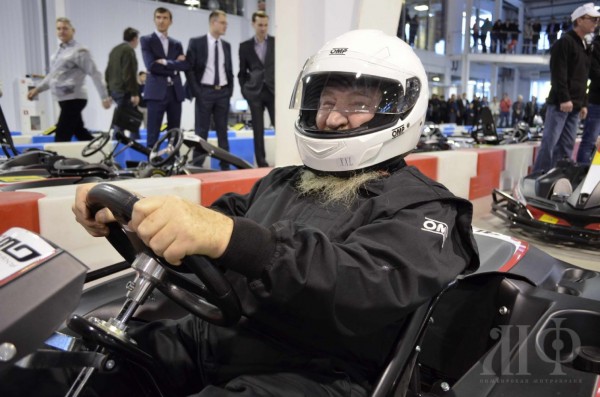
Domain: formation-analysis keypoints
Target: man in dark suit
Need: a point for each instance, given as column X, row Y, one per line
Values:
column 121, row 76
column 210, row 81
column 257, row 80
column 164, row 59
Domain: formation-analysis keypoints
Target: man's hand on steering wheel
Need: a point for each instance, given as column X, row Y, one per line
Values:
column 165, row 229
column 171, row 226
column 96, row 226
column 174, row 228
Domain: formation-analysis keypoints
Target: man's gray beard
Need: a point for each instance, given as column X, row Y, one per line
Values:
column 329, row 189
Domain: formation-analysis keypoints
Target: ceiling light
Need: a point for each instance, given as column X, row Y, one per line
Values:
column 192, row 3
column 422, row 7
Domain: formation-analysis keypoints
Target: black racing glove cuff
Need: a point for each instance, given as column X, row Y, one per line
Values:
column 250, row 248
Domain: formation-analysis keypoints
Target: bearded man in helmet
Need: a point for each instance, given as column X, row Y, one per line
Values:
column 328, row 258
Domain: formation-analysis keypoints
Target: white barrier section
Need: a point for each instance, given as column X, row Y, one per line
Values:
column 270, row 149
column 455, row 170
column 73, row 150
column 519, row 158
column 21, row 139
column 57, row 222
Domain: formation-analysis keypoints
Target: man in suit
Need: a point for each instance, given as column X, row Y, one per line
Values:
column 210, row 81
column 164, row 59
column 257, row 80
column 121, row 75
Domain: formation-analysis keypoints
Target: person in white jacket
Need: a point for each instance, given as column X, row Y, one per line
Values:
column 68, row 68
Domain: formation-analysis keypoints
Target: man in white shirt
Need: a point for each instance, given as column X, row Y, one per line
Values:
column 210, row 81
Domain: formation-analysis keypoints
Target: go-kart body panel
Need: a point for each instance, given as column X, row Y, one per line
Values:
column 536, row 208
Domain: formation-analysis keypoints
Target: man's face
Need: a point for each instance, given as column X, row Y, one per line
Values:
column 162, row 21
column 345, row 108
column 218, row 26
column 588, row 24
column 261, row 27
column 64, row 32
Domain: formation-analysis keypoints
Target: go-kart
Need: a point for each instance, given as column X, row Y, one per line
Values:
column 168, row 156
column 44, row 168
column 522, row 132
column 36, row 168
column 524, row 324
column 485, row 132
column 432, row 139
column 562, row 204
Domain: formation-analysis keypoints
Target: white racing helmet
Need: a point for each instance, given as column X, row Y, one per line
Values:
column 362, row 60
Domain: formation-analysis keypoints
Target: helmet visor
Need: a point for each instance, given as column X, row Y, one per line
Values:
column 363, row 102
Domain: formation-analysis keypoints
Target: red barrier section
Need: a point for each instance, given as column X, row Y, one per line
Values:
column 426, row 164
column 19, row 209
column 490, row 164
column 215, row 184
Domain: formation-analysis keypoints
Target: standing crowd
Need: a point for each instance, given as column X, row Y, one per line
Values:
column 573, row 61
column 503, row 36
column 461, row 111
column 160, row 91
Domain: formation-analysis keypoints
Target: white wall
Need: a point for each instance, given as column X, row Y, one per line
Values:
column 118, row 15
column 99, row 25
column 303, row 26
column 13, row 64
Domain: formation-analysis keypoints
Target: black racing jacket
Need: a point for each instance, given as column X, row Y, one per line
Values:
column 569, row 68
column 594, row 90
column 328, row 287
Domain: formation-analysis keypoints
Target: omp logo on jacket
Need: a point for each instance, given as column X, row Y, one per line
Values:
column 437, row 227
column 338, row 51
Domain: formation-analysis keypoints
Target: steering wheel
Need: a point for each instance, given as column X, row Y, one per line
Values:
column 214, row 300
column 96, row 144
column 158, row 156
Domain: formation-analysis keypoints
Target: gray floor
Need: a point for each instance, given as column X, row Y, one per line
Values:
column 588, row 258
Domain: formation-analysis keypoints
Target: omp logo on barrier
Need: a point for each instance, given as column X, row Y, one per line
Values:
column 338, row 51
column 437, row 227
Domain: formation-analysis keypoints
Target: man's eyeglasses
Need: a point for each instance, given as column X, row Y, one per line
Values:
column 595, row 19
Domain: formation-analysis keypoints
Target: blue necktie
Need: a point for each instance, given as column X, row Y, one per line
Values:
column 217, row 62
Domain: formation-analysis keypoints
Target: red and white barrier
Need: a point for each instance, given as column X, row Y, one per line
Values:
column 468, row 173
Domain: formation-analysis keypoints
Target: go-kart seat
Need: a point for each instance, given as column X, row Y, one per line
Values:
column 561, row 190
column 398, row 372
column 486, row 126
column 78, row 167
